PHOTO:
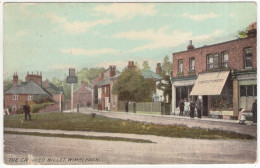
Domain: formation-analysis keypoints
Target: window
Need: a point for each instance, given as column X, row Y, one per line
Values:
column 13, row 107
column 248, row 57
column 224, row 56
column 192, row 64
column 248, row 90
column 30, row 97
column 15, row 97
column 212, row 61
column 180, row 66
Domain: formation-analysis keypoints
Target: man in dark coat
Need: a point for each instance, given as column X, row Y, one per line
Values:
column 126, row 106
column 254, row 110
column 181, row 105
column 26, row 109
column 198, row 107
column 192, row 108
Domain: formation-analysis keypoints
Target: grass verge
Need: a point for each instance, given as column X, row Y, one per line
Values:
column 105, row 138
column 83, row 122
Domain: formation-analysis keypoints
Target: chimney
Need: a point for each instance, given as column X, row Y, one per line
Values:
column 190, row 46
column 252, row 30
column 15, row 79
column 112, row 70
column 83, row 84
column 46, row 83
column 100, row 78
column 158, row 69
column 131, row 65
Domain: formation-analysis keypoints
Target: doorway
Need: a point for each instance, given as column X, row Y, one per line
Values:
column 205, row 105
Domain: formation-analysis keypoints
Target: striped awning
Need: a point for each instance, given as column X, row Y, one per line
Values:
column 210, row 83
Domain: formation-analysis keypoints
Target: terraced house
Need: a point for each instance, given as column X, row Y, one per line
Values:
column 223, row 75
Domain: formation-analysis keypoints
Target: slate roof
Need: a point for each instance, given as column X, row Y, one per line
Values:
column 148, row 74
column 104, row 82
column 29, row 88
column 52, row 88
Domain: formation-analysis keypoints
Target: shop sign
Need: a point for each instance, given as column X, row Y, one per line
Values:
column 184, row 82
column 215, row 113
column 246, row 77
column 227, row 113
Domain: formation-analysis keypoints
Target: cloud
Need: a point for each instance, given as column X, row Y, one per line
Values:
column 76, row 26
column 80, row 51
column 24, row 10
column 22, row 33
column 200, row 17
column 127, row 10
column 161, row 39
column 63, row 66
column 231, row 15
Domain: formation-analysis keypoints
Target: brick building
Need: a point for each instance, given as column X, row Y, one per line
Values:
column 83, row 95
column 31, row 90
column 223, row 75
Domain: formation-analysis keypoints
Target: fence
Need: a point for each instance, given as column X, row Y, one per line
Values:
column 163, row 108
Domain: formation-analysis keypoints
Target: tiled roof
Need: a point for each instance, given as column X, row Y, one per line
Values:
column 104, row 82
column 148, row 74
column 29, row 88
column 52, row 88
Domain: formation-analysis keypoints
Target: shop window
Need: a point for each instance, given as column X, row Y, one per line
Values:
column 248, row 57
column 192, row 64
column 255, row 90
column 212, row 61
column 180, row 66
column 242, row 90
column 248, row 90
column 224, row 56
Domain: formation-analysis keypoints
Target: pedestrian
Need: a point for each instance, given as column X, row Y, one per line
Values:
column 26, row 109
column 198, row 107
column 254, row 111
column 192, row 108
column 186, row 107
column 134, row 106
column 126, row 106
column 241, row 116
column 181, row 105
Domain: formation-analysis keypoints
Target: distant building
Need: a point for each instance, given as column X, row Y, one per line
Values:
column 83, row 95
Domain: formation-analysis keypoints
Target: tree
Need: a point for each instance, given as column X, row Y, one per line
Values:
column 167, row 65
column 132, row 86
column 146, row 65
column 165, row 82
column 243, row 33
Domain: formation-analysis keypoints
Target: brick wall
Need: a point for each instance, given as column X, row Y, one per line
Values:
column 51, row 108
column 8, row 101
column 235, row 51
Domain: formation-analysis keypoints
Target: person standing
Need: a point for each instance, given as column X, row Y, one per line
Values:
column 181, row 105
column 186, row 107
column 254, row 110
column 192, row 108
column 198, row 107
column 241, row 116
column 126, row 106
column 26, row 109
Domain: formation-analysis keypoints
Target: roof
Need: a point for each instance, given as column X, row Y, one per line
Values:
column 104, row 82
column 83, row 90
column 29, row 88
column 148, row 74
column 52, row 88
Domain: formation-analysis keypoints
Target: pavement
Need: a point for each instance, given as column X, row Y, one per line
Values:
column 249, row 128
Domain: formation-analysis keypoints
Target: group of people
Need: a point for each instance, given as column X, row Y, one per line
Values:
column 187, row 106
column 242, row 117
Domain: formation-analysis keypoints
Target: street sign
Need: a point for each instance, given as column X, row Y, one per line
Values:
column 72, row 79
column 71, row 72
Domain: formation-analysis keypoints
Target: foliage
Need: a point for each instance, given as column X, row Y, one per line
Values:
column 165, row 82
column 39, row 99
column 83, row 122
column 19, row 111
column 35, row 108
column 146, row 65
column 132, row 86
column 243, row 33
column 191, row 72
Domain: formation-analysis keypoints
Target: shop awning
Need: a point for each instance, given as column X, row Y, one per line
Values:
column 210, row 83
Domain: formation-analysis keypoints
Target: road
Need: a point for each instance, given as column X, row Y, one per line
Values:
column 165, row 150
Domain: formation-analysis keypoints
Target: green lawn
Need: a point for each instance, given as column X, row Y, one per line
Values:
column 83, row 122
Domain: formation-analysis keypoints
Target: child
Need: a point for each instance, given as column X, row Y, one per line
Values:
column 241, row 116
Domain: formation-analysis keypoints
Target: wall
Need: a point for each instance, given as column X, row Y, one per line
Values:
column 8, row 101
column 235, row 50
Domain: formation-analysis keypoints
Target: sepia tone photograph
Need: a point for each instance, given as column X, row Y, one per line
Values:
column 127, row 83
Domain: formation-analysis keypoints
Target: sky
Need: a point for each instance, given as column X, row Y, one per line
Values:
column 53, row 37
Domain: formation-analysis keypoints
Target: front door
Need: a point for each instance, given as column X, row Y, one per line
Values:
column 205, row 105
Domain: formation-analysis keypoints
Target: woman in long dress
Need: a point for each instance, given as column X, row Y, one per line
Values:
column 186, row 107
column 241, row 117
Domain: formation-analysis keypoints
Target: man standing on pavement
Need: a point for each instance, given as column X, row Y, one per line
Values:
column 181, row 105
column 198, row 107
column 254, row 110
column 126, row 106
column 192, row 108
column 26, row 109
